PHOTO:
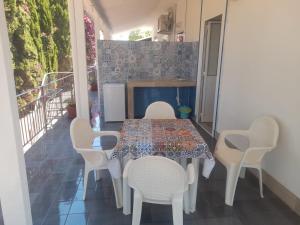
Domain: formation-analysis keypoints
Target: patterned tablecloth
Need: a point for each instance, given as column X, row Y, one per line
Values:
column 173, row 138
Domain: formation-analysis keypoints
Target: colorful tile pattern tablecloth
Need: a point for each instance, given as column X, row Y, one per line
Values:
column 172, row 138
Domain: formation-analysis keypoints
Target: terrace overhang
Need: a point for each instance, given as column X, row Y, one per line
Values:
column 121, row 15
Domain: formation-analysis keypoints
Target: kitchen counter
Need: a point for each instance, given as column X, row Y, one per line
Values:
column 152, row 83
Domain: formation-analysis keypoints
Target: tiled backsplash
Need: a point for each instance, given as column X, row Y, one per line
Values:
column 122, row 61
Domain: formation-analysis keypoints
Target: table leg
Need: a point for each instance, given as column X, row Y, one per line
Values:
column 186, row 202
column 186, row 197
column 194, row 186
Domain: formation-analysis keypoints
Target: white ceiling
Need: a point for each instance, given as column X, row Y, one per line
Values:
column 121, row 15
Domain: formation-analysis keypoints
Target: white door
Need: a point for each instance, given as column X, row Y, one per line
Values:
column 210, row 69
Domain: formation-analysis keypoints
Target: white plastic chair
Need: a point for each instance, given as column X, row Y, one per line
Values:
column 158, row 180
column 262, row 138
column 160, row 110
column 82, row 137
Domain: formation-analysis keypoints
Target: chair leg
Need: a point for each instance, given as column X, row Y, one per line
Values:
column 137, row 209
column 126, row 197
column 260, row 183
column 117, row 183
column 97, row 175
column 186, row 202
column 231, row 182
column 243, row 173
column 85, row 181
column 177, row 209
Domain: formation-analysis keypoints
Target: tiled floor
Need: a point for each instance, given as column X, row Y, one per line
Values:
column 55, row 182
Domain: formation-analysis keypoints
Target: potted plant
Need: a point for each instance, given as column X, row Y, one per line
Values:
column 93, row 85
column 71, row 108
column 184, row 112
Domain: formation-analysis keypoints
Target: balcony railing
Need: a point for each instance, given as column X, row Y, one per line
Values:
column 46, row 104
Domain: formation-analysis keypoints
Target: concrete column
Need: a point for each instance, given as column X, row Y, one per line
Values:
column 79, row 57
column 13, row 180
column 97, row 36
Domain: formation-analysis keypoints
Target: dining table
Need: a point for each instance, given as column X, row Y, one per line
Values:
column 177, row 139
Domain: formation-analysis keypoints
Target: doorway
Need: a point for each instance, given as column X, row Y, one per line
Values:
column 209, row 73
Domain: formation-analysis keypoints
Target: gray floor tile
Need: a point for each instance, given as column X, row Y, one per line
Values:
column 55, row 177
column 55, row 220
column 78, row 207
column 60, row 208
column 221, row 221
column 77, row 219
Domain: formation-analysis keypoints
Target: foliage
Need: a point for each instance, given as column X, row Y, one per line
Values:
column 138, row 34
column 61, row 34
column 90, row 40
column 37, row 29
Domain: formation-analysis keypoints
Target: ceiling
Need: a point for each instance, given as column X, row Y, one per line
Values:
column 122, row 15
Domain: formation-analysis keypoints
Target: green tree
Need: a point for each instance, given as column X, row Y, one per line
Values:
column 138, row 34
column 60, row 17
column 47, row 30
column 37, row 29
column 26, row 45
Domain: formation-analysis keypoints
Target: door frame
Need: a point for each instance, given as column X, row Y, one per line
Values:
column 204, row 74
column 219, row 69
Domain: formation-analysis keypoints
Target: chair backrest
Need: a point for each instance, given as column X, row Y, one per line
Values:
column 81, row 133
column 160, row 110
column 157, row 178
column 264, row 132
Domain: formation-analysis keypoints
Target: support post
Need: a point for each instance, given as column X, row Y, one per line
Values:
column 79, row 57
column 13, row 183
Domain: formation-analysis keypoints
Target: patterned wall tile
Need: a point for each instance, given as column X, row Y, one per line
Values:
column 120, row 61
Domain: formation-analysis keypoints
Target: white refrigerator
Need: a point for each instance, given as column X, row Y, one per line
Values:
column 114, row 102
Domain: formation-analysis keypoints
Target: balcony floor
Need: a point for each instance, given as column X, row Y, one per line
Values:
column 55, row 176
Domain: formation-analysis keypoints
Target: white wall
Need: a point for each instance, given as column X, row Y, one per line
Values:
column 180, row 16
column 193, row 20
column 187, row 19
column 261, row 75
column 188, row 14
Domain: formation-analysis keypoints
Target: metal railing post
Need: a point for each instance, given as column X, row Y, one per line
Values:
column 61, row 104
column 44, row 105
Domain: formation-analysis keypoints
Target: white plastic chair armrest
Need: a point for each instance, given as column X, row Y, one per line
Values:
column 226, row 133
column 190, row 171
column 251, row 149
column 221, row 140
column 84, row 150
column 125, row 172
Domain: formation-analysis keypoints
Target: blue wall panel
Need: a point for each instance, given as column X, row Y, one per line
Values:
column 145, row 96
